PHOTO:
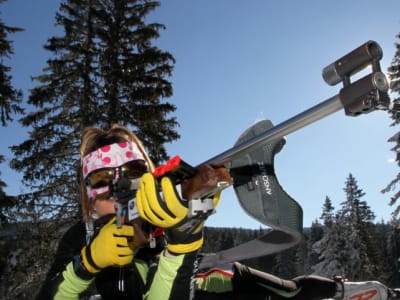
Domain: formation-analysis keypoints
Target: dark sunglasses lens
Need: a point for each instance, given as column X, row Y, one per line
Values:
column 100, row 178
column 104, row 177
column 134, row 169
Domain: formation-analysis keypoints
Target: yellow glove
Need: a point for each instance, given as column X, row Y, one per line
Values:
column 109, row 248
column 168, row 210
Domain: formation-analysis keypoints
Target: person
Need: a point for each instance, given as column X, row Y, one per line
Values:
column 98, row 251
column 156, row 253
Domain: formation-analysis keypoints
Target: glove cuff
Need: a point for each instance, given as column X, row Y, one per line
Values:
column 88, row 262
column 185, row 248
column 80, row 269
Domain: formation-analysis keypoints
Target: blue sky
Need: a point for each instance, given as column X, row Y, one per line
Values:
column 241, row 61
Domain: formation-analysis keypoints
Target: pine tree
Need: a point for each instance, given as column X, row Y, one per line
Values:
column 394, row 76
column 317, row 232
column 327, row 251
column 356, row 218
column 382, row 258
column 347, row 247
column 393, row 252
column 10, row 98
column 327, row 212
column 10, row 103
column 289, row 263
column 330, row 251
column 105, row 70
column 354, row 210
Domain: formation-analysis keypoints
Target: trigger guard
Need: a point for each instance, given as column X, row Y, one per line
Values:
column 201, row 207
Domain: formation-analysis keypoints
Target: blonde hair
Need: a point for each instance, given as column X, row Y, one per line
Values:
column 92, row 139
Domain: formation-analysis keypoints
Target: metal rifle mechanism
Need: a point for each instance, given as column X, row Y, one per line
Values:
column 248, row 165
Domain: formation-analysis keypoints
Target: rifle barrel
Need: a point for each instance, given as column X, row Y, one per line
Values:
column 300, row 120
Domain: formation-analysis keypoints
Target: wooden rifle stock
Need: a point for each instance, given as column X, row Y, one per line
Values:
column 197, row 183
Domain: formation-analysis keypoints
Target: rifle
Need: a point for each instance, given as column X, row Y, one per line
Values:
column 248, row 165
column 360, row 97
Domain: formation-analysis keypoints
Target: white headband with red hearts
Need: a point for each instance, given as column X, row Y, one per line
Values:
column 109, row 156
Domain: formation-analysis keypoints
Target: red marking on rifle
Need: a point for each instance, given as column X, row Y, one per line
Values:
column 364, row 295
column 171, row 164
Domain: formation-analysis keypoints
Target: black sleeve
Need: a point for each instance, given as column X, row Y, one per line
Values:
column 263, row 284
column 70, row 245
column 315, row 287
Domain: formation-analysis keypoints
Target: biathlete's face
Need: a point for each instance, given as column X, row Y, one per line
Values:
column 104, row 207
column 103, row 167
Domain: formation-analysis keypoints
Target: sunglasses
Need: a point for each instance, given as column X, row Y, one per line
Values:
column 105, row 177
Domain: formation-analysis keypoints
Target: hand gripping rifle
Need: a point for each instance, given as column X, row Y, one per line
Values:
column 248, row 165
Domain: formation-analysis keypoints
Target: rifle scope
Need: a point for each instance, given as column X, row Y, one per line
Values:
column 353, row 62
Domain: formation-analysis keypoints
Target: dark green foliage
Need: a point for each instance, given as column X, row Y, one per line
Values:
column 10, row 98
column 379, row 253
column 394, row 75
column 289, row 263
column 104, row 70
column 26, row 252
column 10, row 104
column 392, row 249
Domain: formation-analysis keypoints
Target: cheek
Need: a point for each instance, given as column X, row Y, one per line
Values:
column 104, row 207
